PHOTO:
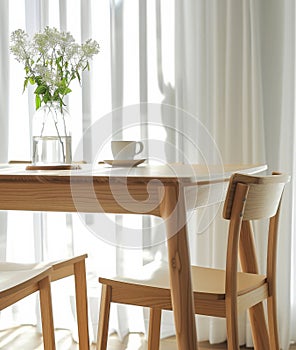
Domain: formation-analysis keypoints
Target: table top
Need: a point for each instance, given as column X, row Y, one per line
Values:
column 102, row 188
column 166, row 173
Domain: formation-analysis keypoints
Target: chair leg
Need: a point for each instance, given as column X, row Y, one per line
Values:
column 46, row 314
column 272, row 323
column 232, row 327
column 81, row 304
column 154, row 329
column 258, row 325
column 104, row 317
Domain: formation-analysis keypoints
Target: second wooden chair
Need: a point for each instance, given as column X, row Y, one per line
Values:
column 220, row 293
column 18, row 281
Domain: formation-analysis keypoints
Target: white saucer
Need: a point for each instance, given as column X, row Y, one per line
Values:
column 124, row 162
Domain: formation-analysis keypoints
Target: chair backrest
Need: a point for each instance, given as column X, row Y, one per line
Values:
column 250, row 198
column 263, row 198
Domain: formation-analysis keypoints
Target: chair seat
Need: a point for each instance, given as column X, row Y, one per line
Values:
column 206, row 281
column 12, row 274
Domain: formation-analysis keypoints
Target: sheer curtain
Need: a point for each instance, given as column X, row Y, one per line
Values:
column 228, row 64
column 235, row 70
column 219, row 80
column 4, row 73
column 278, row 62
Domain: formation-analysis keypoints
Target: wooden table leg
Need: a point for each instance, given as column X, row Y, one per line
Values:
column 249, row 263
column 173, row 212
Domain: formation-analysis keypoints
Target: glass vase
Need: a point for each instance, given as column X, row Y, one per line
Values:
column 52, row 142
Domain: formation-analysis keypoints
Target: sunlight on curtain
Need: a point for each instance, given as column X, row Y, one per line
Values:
column 18, row 110
column 4, row 73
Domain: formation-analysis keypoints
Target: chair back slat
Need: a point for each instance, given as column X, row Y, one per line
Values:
column 263, row 197
column 262, row 201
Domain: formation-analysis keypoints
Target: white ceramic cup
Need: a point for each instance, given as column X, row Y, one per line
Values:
column 126, row 150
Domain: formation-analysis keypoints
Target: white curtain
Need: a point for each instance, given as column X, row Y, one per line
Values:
column 278, row 62
column 219, row 80
column 235, row 71
column 228, row 64
column 4, row 112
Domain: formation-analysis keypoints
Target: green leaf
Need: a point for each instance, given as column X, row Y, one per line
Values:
column 37, row 102
column 64, row 82
column 40, row 90
column 38, row 80
column 67, row 91
column 25, row 84
column 63, row 90
column 32, row 81
column 46, row 97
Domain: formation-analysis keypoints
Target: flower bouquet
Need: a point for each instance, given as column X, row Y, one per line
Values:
column 52, row 60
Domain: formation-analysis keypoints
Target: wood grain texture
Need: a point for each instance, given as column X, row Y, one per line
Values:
column 133, row 190
column 102, row 337
column 81, row 303
column 46, row 314
column 267, row 198
column 231, row 285
column 174, row 214
column 154, row 329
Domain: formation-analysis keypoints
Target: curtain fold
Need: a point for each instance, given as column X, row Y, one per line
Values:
column 4, row 73
column 86, row 32
column 286, row 162
column 279, row 101
column 4, row 109
column 278, row 69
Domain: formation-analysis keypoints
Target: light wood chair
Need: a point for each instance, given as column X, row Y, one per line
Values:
column 220, row 293
column 18, row 281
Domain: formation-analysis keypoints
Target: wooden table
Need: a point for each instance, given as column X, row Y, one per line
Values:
column 166, row 191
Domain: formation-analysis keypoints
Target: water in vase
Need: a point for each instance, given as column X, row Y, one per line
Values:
column 51, row 150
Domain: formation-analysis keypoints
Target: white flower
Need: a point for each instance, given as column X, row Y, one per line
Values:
column 52, row 59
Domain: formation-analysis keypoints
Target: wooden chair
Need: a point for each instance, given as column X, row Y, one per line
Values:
column 220, row 293
column 20, row 280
